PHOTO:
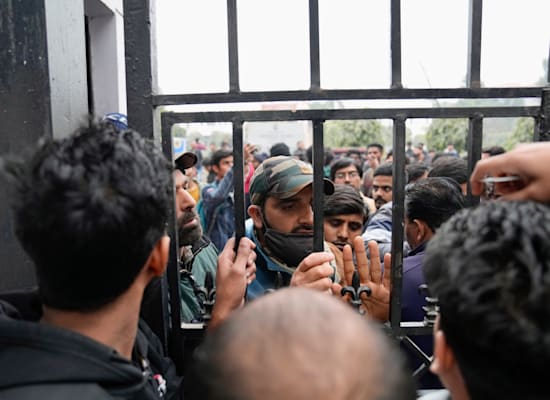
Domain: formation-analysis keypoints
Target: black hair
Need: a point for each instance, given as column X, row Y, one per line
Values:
column 354, row 151
column 450, row 167
column 489, row 267
column 279, row 149
column 441, row 154
column 345, row 200
column 415, row 171
column 378, row 145
column 383, row 170
column 220, row 155
column 88, row 210
column 344, row 163
column 433, row 200
column 494, row 150
column 328, row 155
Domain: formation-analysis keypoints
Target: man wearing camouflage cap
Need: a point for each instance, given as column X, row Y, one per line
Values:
column 281, row 226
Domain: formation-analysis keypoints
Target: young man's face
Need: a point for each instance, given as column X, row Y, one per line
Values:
column 223, row 167
column 342, row 229
column 374, row 152
column 188, row 226
column 293, row 215
column 382, row 190
column 348, row 176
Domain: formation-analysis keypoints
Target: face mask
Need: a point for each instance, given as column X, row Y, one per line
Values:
column 291, row 248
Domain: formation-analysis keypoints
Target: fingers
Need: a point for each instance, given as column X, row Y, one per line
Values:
column 375, row 266
column 227, row 252
column 320, row 272
column 336, row 290
column 323, row 284
column 349, row 267
column 361, row 260
column 315, row 259
column 246, row 247
column 494, row 166
column 387, row 270
column 314, row 276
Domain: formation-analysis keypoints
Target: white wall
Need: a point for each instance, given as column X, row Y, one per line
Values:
column 106, row 30
column 67, row 65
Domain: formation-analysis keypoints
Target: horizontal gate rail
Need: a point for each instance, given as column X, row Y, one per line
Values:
column 347, row 114
column 347, row 94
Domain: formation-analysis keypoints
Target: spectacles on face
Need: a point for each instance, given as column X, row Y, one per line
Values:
column 384, row 188
column 342, row 175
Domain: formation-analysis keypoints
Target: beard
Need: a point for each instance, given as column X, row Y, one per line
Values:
column 379, row 202
column 188, row 235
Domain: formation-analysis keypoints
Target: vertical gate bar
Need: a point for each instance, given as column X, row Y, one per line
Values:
column 233, row 46
column 548, row 67
column 318, row 184
column 398, row 212
column 536, row 129
column 474, row 143
column 474, row 43
column 315, row 68
column 396, row 44
column 139, row 84
column 238, row 180
column 544, row 116
column 170, row 280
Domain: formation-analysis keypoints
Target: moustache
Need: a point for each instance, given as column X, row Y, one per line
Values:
column 303, row 228
column 186, row 217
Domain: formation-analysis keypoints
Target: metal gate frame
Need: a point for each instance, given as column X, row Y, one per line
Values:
column 142, row 104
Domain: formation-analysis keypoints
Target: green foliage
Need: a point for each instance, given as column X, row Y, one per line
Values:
column 523, row 132
column 352, row 133
column 178, row 130
column 444, row 131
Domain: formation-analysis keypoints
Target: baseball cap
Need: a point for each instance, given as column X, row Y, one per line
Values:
column 282, row 177
column 119, row 120
column 184, row 161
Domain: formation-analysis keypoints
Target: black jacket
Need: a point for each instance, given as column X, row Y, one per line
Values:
column 39, row 361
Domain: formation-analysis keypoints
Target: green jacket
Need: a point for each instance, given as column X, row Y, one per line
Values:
column 193, row 273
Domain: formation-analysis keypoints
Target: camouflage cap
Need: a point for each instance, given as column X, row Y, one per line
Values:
column 282, row 177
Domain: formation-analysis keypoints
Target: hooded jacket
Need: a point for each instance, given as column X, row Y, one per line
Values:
column 40, row 361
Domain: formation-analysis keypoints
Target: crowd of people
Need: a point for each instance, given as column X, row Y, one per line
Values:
column 91, row 212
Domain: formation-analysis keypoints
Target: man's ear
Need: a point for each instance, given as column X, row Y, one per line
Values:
column 158, row 258
column 255, row 213
column 422, row 230
column 444, row 358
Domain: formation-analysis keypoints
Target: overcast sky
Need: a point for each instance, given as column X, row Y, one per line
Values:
column 355, row 43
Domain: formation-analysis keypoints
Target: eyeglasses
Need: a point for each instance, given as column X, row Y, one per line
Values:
column 384, row 188
column 342, row 175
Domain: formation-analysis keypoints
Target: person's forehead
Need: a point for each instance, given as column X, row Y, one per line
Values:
column 347, row 218
column 373, row 149
column 382, row 180
column 349, row 168
column 226, row 159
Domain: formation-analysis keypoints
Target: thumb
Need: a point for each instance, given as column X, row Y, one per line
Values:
column 243, row 253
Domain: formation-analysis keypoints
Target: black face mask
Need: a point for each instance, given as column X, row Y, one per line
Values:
column 291, row 248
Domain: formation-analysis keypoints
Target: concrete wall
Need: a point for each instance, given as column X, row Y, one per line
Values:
column 108, row 78
column 66, row 43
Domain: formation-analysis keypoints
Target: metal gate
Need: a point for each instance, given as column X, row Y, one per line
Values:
column 142, row 103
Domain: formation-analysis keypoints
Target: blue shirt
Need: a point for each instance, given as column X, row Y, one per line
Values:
column 218, row 205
